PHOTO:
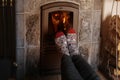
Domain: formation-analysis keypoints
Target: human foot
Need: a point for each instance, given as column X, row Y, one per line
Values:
column 72, row 42
column 61, row 42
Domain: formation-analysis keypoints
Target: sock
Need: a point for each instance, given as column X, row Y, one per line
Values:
column 61, row 42
column 72, row 42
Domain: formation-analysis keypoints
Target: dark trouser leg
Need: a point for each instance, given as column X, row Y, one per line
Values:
column 84, row 68
column 68, row 70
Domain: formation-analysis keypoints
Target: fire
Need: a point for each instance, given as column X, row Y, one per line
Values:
column 64, row 20
column 56, row 15
column 60, row 16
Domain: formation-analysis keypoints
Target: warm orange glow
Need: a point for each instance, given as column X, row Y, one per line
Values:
column 58, row 17
column 64, row 20
column 55, row 21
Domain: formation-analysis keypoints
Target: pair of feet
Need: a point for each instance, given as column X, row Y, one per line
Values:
column 67, row 44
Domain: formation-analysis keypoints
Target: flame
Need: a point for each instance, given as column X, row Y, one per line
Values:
column 60, row 17
column 64, row 20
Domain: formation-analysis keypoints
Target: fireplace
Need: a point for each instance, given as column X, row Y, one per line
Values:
column 57, row 17
column 52, row 14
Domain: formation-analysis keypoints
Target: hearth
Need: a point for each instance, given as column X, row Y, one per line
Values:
column 51, row 15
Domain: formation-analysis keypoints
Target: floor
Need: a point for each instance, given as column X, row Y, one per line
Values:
column 48, row 77
column 56, row 77
column 52, row 77
column 101, row 76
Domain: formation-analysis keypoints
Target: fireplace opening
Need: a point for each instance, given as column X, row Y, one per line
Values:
column 62, row 20
column 57, row 17
column 52, row 16
column 49, row 51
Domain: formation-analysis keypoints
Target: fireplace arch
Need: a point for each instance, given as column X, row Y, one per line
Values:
column 50, row 12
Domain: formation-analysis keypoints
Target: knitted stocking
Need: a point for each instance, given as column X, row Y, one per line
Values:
column 61, row 42
column 72, row 42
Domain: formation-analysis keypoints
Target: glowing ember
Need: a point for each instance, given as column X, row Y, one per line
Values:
column 61, row 16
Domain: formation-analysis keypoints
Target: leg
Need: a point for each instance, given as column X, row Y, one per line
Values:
column 72, row 42
column 61, row 43
column 68, row 69
column 84, row 68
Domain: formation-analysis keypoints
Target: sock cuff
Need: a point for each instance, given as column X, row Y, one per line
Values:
column 71, row 30
column 58, row 34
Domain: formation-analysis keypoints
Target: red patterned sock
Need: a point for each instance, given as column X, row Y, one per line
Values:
column 61, row 42
column 72, row 42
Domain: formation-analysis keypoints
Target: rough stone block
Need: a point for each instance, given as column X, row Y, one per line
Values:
column 20, row 59
column 94, row 55
column 32, row 30
column 19, row 8
column 86, row 4
column 20, row 30
column 32, row 60
column 85, row 26
column 84, row 49
column 38, row 5
column 97, row 4
column 96, row 26
column 29, row 5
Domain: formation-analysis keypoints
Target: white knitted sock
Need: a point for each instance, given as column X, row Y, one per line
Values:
column 72, row 42
column 61, row 42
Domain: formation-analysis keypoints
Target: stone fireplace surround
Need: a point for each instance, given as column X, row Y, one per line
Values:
column 28, row 32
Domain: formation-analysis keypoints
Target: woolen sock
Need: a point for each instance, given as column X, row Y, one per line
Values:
column 61, row 42
column 72, row 42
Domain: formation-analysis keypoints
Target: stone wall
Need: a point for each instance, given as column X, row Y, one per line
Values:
column 28, row 32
